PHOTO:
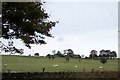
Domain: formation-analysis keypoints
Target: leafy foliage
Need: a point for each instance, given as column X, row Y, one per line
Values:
column 108, row 54
column 36, row 54
column 69, row 52
column 59, row 54
column 27, row 21
column 10, row 49
column 93, row 54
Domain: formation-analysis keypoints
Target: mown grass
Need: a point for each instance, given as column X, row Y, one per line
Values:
column 32, row 64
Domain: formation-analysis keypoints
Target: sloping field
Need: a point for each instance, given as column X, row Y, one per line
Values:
column 32, row 64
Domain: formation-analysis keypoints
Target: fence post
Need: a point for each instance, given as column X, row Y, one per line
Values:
column 43, row 69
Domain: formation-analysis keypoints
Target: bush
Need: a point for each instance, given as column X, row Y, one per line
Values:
column 103, row 60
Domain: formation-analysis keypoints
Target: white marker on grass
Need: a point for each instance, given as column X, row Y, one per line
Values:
column 75, row 66
column 100, row 67
column 55, row 65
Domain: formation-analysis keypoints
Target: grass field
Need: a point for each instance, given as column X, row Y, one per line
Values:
column 32, row 64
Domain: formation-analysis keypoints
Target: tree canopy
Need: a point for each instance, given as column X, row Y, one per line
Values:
column 36, row 54
column 93, row 54
column 27, row 21
column 108, row 53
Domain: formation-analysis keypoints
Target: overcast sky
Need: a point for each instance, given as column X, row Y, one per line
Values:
column 82, row 27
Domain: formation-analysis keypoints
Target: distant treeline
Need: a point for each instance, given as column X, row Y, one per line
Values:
column 69, row 53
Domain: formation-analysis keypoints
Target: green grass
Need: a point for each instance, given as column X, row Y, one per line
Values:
column 32, row 64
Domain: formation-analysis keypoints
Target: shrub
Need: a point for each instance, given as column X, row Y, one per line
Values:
column 103, row 60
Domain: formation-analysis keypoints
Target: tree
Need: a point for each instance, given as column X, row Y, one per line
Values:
column 27, row 21
column 69, row 52
column 65, row 51
column 53, row 52
column 113, row 54
column 103, row 53
column 67, row 57
column 29, row 55
column 36, row 54
column 20, row 51
column 93, row 54
column 79, row 56
column 82, row 56
column 59, row 54
column 53, row 56
column 49, row 56
column 108, row 54
column 10, row 49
